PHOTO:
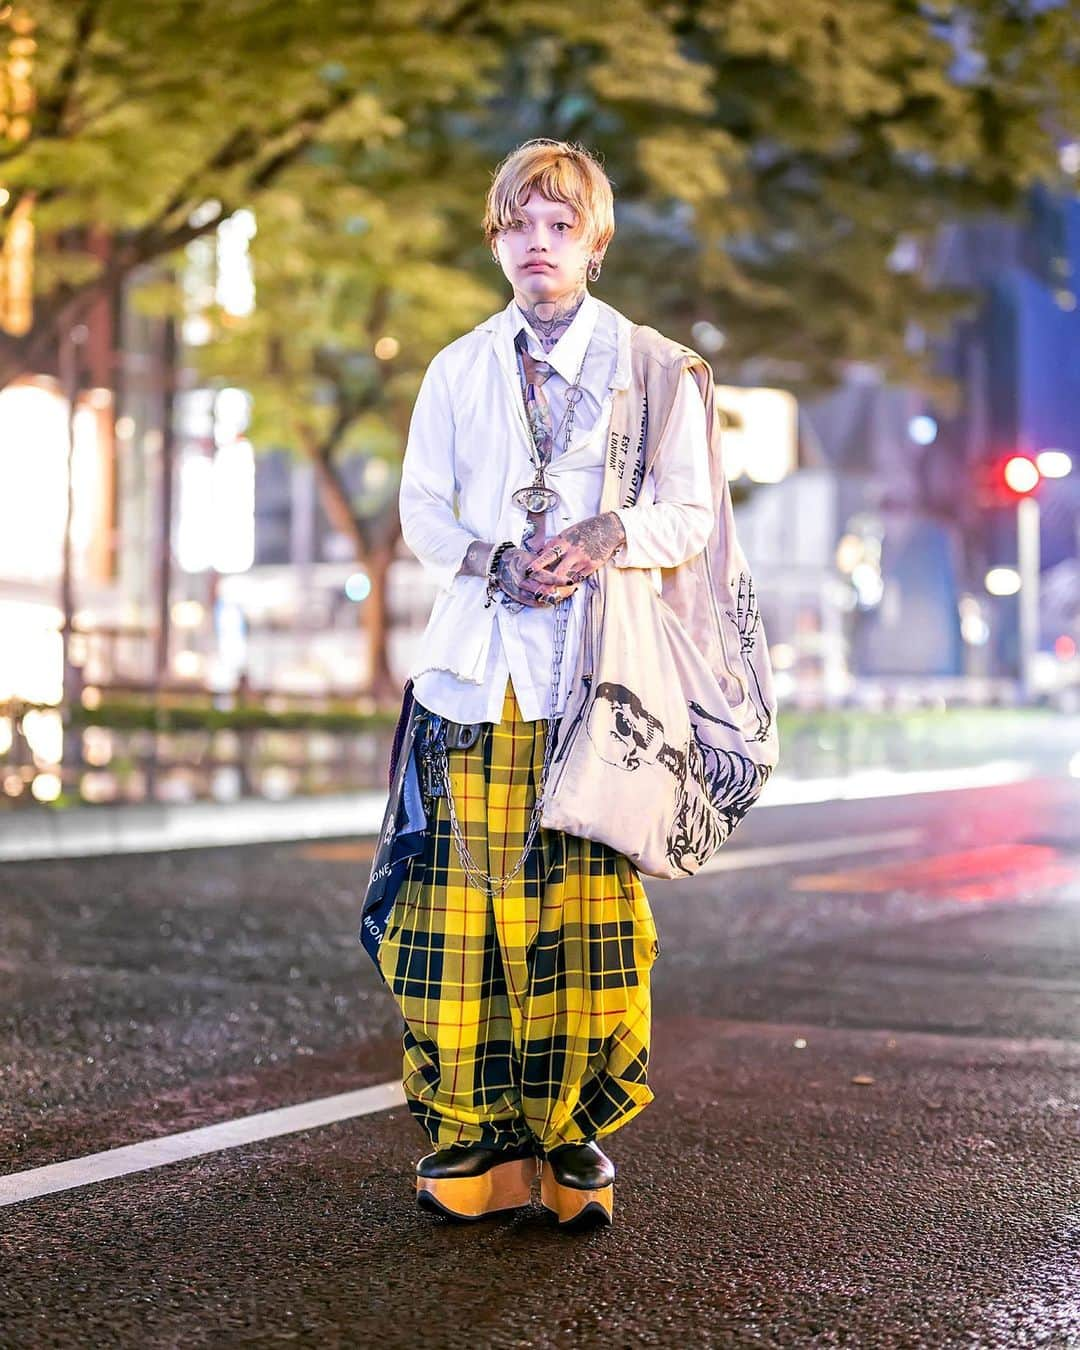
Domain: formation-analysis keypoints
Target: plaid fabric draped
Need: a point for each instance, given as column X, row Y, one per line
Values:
column 528, row 1012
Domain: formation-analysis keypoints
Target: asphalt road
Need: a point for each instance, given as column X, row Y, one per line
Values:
column 866, row 1133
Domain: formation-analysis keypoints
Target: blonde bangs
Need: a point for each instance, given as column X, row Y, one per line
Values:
column 561, row 173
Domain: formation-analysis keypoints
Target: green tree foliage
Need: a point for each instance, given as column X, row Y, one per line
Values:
column 153, row 123
column 816, row 146
column 769, row 158
column 777, row 169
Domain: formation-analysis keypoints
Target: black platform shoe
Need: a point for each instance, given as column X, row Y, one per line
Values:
column 467, row 1181
column 577, row 1183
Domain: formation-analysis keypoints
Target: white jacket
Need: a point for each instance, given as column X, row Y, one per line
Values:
column 468, row 451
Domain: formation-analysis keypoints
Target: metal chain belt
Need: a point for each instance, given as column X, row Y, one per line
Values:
column 474, row 873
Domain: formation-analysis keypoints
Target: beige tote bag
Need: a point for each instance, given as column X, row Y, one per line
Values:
column 669, row 734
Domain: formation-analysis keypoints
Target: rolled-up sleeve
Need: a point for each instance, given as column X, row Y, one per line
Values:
column 676, row 525
column 429, row 524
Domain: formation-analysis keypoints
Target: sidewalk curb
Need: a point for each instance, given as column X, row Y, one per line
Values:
column 160, row 827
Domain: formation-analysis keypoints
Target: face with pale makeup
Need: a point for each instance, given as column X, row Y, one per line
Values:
column 545, row 254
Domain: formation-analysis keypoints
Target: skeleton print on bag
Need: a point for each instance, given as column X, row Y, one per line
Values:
column 747, row 619
column 730, row 783
column 715, row 787
column 626, row 734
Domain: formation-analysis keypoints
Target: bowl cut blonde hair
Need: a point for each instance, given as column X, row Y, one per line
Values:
column 561, row 172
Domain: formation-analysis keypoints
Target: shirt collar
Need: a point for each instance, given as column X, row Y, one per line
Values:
column 567, row 354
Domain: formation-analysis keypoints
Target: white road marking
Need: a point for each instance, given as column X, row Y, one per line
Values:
column 142, row 1157
column 121, row 1162
column 863, row 783
column 771, row 856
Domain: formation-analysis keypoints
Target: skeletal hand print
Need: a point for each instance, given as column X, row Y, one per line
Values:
column 746, row 616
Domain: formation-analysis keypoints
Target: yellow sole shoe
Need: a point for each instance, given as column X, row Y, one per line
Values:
column 504, row 1186
column 574, row 1207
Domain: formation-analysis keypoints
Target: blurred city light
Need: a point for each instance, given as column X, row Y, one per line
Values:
column 98, row 745
column 868, row 583
column 1053, row 463
column 358, row 586
column 216, row 510
column 44, row 732
column 849, row 552
column 188, row 665
column 46, row 787
column 782, row 655
column 232, row 414
column 235, row 290
column 1021, row 474
column 232, row 523
column 33, row 453
column 923, row 430
column 376, row 474
column 760, row 432
column 1002, row 581
column 974, row 628
column 31, row 655
column 1064, row 647
column 707, row 336
column 187, row 613
column 193, row 543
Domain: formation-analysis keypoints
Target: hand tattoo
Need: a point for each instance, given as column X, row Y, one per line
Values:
column 549, row 319
column 520, row 579
column 475, row 561
column 580, row 549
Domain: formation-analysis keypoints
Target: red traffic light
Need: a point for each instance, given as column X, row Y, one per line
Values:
column 1004, row 481
column 1020, row 475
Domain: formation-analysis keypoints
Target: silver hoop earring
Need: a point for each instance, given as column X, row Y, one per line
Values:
column 594, row 270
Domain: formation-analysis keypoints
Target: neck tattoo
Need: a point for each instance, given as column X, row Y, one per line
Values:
column 549, row 319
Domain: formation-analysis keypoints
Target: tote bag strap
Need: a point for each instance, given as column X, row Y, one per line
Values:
column 634, row 435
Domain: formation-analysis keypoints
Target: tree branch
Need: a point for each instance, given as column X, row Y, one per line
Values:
column 53, row 110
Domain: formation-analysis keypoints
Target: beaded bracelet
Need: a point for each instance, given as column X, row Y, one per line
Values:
column 492, row 570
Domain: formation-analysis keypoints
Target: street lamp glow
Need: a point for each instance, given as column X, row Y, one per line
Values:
column 46, row 787
column 923, row 430
column 849, row 552
column 1021, row 473
column 358, row 586
column 1053, row 463
column 868, row 583
column 1003, row 581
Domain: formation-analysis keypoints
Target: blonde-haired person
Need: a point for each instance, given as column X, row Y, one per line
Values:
column 523, row 973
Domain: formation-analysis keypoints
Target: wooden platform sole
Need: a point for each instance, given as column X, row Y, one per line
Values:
column 573, row 1207
column 504, row 1186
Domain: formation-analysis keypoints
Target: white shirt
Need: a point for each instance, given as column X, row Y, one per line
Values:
column 468, row 450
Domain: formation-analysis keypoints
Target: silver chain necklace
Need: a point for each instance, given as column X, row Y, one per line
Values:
column 537, row 496
column 475, row 875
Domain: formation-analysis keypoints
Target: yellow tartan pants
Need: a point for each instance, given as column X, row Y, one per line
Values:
column 528, row 1012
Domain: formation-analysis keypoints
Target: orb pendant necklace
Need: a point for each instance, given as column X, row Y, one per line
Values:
column 537, row 498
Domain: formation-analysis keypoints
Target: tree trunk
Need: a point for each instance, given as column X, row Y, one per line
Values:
column 375, row 617
column 168, row 360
